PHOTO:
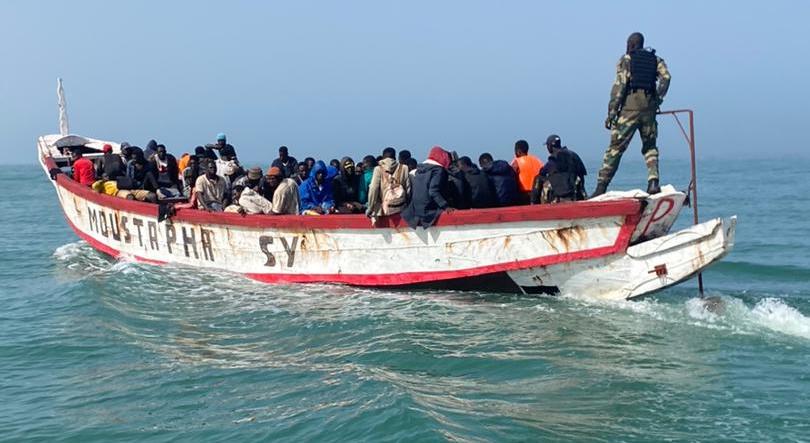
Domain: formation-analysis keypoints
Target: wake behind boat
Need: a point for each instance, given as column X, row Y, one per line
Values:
column 617, row 246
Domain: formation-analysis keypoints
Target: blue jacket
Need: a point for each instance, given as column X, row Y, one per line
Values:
column 503, row 178
column 312, row 195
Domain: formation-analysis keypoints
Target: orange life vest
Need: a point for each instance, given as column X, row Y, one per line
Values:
column 527, row 168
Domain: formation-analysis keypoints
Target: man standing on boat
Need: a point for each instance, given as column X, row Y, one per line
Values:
column 642, row 81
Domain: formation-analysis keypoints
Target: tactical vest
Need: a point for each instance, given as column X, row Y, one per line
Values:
column 643, row 70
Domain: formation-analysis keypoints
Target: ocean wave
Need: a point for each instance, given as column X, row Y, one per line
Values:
column 761, row 271
column 768, row 315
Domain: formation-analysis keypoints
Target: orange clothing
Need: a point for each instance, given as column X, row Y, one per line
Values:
column 527, row 167
column 182, row 163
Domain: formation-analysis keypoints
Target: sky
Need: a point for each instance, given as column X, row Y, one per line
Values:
column 341, row 78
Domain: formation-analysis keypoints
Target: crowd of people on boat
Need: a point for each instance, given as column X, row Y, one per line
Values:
column 213, row 179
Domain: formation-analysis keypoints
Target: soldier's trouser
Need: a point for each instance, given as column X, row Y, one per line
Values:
column 620, row 137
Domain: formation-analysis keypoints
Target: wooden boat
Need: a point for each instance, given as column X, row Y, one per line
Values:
column 615, row 247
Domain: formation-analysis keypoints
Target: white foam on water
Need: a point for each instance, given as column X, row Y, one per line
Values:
column 70, row 251
column 696, row 308
column 767, row 315
column 774, row 314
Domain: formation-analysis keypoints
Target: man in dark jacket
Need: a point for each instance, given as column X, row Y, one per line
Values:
column 346, row 187
column 481, row 191
column 503, row 178
column 111, row 166
column 427, row 201
column 286, row 163
column 458, row 191
column 562, row 178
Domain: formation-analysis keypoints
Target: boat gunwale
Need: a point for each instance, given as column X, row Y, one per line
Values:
column 510, row 214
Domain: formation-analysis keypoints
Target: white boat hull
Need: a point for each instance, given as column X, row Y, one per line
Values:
column 594, row 248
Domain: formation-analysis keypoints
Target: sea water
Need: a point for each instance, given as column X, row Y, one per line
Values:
column 92, row 349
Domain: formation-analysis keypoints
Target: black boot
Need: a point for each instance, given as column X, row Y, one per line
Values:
column 652, row 187
column 601, row 188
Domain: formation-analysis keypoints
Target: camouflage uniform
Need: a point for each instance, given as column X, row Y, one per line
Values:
column 631, row 110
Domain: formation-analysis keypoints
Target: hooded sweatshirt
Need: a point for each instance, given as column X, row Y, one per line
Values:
column 347, row 186
column 427, row 198
column 398, row 172
column 504, row 180
column 314, row 195
column 150, row 150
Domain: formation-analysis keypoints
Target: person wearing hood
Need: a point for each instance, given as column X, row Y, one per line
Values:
column 503, row 178
column 480, row 188
column 347, row 188
column 458, row 189
column 150, row 150
column 427, row 186
column 316, row 191
column 389, row 188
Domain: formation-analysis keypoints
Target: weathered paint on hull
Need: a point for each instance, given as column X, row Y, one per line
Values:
column 526, row 249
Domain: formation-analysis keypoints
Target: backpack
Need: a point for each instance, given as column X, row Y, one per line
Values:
column 393, row 193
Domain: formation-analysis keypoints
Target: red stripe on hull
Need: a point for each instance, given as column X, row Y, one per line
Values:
column 406, row 278
column 564, row 211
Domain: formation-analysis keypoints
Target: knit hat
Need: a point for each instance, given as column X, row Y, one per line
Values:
column 254, row 173
column 274, row 171
column 440, row 156
column 107, row 148
column 221, row 136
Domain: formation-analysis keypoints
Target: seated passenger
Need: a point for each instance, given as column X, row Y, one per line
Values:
column 285, row 193
column 182, row 163
column 150, row 150
column 83, row 169
column 232, row 171
column 347, row 188
column 141, row 184
column 302, row 173
column 210, row 189
column 288, row 165
column 427, row 201
column 190, row 174
column 130, row 154
column 389, row 188
column 563, row 176
column 412, row 164
column 316, row 192
column 369, row 163
column 235, row 205
column 111, row 165
column 480, row 188
column 404, row 156
column 166, row 168
column 526, row 167
column 503, row 178
column 458, row 191
column 109, row 169
column 252, row 180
